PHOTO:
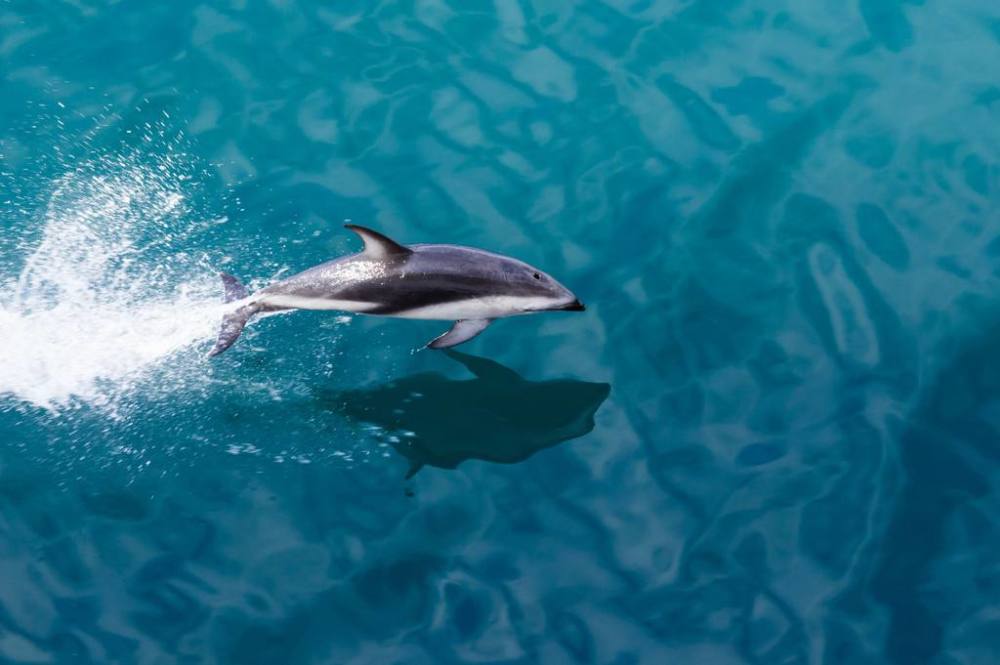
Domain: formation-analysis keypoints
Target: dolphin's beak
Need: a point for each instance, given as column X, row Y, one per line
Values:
column 575, row 306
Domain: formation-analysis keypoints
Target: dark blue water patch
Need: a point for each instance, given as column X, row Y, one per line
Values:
column 119, row 506
column 467, row 613
column 988, row 96
column 772, row 368
column 977, row 174
column 872, row 151
column 181, row 533
column 699, row 317
column 756, row 454
column 952, row 264
column 881, row 236
column 165, row 611
column 405, row 583
column 758, row 177
column 705, row 122
column 751, row 97
column 574, row 635
column 62, row 557
column 887, row 23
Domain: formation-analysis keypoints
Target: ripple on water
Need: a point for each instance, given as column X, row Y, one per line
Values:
column 849, row 322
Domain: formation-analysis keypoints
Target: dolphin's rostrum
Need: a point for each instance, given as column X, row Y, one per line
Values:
column 446, row 282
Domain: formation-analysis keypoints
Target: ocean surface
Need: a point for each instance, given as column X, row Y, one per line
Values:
column 773, row 437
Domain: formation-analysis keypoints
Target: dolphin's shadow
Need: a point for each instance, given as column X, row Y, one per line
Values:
column 497, row 416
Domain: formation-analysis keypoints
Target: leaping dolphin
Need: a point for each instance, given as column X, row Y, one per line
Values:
column 442, row 282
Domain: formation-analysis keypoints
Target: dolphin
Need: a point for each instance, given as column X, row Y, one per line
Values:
column 497, row 416
column 443, row 282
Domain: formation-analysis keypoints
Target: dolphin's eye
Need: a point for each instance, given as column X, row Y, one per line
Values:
column 537, row 276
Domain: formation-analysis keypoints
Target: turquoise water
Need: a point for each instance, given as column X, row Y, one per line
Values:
column 772, row 437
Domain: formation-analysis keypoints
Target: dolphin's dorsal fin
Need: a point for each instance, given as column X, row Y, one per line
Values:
column 234, row 290
column 378, row 246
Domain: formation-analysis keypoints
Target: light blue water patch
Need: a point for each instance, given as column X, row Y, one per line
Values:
column 771, row 438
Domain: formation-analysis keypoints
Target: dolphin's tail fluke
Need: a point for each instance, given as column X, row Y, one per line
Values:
column 232, row 323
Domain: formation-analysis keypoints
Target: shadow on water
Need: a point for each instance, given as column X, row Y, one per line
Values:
column 497, row 416
column 233, row 552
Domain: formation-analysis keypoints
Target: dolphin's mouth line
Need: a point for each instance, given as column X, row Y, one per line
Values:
column 575, row 306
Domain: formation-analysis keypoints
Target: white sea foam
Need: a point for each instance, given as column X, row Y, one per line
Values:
column 108, row 294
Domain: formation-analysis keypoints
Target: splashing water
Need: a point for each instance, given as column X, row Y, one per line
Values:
column 105, row 295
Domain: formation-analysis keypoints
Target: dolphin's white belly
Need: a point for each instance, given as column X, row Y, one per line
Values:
column 485, row 307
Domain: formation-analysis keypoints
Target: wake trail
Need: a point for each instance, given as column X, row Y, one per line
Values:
column 107, row 297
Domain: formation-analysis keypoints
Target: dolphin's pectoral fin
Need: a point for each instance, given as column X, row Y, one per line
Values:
column 378, row 246
column 462, row 331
